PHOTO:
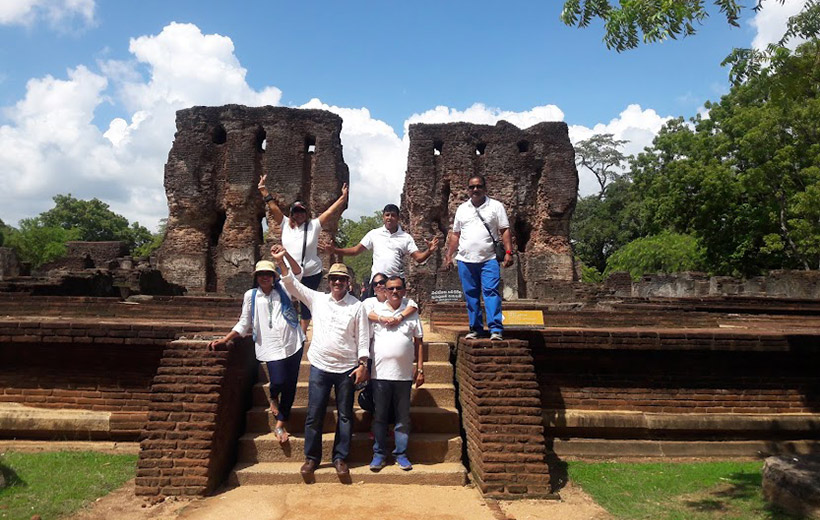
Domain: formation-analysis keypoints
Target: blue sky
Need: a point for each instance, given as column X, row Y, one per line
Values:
column 88, row 88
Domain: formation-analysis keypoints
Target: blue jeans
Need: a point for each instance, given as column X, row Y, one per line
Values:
column 395, row 396
column 283, row 375
column 319, row 387
column 482, row 279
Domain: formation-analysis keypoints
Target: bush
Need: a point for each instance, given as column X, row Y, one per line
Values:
column 663, row 253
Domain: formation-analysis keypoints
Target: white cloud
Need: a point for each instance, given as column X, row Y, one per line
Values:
column 56, row 12
column 770, row 22
column 480, row 114
column 51, row 146
column 634, row 124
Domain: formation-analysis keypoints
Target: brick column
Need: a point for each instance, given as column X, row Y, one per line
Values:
column 196, row 415
column 501, row 406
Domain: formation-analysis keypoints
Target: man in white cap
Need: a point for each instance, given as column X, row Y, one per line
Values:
column 338, row 354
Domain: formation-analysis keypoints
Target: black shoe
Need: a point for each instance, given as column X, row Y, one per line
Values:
column 341, row 467
column 307, row 470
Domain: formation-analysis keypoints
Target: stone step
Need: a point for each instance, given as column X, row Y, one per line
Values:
column 270, row 473
column 424, row 448
column 434, row 372
column 431, row 394
column 423, row 419
column 433, row 351
column 721, row 449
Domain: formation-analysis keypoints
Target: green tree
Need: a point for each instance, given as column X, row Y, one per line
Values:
column 600, row 155
column 663, row 253
column 629, row 22
column 38, row 243
column 602, row 225
column 350, row 233
column 746, row 180
column 152, row 245
column 94, row 220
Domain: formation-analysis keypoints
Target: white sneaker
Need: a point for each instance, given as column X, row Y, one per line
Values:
column 471, row 335
column 496, row 336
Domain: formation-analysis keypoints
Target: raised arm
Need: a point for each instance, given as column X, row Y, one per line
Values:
column 420, row 256
column 277, row 251
column 269, row 201
column 336, row 208
column 347, row 251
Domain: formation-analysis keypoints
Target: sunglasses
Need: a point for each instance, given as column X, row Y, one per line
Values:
column 380, row 282
column 394, row 289
column 337, row 278
column 475, row 187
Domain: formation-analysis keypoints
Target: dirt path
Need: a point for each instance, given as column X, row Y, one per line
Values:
column 337, row 502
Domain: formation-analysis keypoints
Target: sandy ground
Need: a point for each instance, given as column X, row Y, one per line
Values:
column 338, row 502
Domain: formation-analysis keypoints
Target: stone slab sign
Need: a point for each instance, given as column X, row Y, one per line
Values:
column 793, row 484
column 215, row 234
column 531, row 171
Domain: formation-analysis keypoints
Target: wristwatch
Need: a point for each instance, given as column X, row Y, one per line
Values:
column 267, row 198
column 420, row 371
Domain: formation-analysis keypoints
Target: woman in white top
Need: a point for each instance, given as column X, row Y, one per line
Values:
column 268, row 312
column 300, row 236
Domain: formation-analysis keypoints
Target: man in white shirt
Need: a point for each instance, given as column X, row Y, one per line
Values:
column 393, row 350
column 478, row 224
column 338, row 354
column 390, row 245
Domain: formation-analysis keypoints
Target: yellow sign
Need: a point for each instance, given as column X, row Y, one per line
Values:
column 513, row 318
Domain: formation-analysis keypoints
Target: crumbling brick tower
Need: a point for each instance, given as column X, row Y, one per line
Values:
column 215, row 234
column 532, row 172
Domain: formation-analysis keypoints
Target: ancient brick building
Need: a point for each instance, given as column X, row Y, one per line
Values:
column 532, row 172
column 215, row 217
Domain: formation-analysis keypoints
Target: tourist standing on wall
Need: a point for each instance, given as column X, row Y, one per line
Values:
column 480, row 227
column 300, row 236
column 390, row 245
column 396, row 342
column 270, row 315
column 338, row 354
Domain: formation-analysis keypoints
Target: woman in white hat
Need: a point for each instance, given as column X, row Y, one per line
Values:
column 300, row 236
column 269, row 313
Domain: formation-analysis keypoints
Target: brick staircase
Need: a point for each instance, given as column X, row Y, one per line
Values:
column 435, row 443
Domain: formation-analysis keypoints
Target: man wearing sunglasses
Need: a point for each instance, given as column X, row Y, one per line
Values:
column 338, row 354
column 393, row 351
column 479, row 224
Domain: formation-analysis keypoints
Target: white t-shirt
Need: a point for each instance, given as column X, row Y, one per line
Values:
column 393, row 348
column 389, row 250
column 293, row 239
column 275, row 339
column 341, row 333
column 474, row 244
column 371, row 303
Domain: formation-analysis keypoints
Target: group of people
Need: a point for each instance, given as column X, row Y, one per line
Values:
column 378, row 340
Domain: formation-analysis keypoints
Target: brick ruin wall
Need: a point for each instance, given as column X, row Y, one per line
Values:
column 214, row 234
column 532, row 172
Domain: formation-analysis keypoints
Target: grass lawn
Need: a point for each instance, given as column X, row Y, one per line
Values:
column 57, row 483
column 686, row 491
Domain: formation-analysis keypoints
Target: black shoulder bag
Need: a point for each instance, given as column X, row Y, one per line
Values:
column 498, row 247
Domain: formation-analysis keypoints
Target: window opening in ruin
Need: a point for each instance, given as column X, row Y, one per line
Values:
column 263, row 229
column 261, row 140
column 220, row 135
column 523, row 146
column 522, row 230
column 310, row 144
column 216, row 228
column 479, row 148
column 437, row 146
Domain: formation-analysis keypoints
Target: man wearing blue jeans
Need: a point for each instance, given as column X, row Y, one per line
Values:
column 478, row 224
column 396, row 341
column 338, row 356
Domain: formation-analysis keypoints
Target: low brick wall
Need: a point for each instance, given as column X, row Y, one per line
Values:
column 501, row 411
column 196, row 415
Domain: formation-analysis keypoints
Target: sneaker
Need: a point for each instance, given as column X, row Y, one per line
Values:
column 472, row 335
column 377, row 463
column 496, row 336
column 404, row 463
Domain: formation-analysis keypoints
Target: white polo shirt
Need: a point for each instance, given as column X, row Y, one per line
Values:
column 389, row 250
column 275, row 339
column 294, row 238
column 475, row 244
column 371, row 303
column 393, row 348
column 341, row 332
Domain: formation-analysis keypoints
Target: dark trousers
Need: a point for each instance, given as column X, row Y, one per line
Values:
column 391, row 396
column 283, row 375
column 318, row 395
